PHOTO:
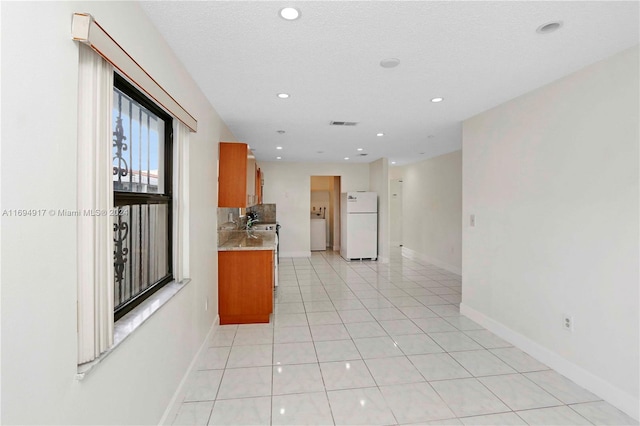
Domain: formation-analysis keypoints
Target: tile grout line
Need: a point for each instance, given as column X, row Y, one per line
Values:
column 324, row 385
column 384, row 281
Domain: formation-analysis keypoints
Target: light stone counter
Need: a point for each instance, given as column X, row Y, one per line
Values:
column 254, row 240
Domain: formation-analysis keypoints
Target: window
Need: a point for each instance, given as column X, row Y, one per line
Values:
column 144, row 248
column 142, row 194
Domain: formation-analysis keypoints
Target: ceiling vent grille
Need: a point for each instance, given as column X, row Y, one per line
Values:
column 343, row 123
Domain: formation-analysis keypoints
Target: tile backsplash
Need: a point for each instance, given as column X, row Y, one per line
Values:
column 266, row 212
column 228, row 218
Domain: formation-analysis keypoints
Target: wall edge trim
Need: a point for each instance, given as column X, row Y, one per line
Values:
column 607, row 391
column 412, row 254
column 172, row 408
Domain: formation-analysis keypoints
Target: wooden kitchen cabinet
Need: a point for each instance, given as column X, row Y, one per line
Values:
column 236, row 175
column 259, row 186
column 245, row 286
column 251, row 180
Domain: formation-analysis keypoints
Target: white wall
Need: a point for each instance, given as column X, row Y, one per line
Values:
column 379, row 182
column 432, row 210
column 135, row 383
column 552, row 178
column 289, row 186
column 395, row 172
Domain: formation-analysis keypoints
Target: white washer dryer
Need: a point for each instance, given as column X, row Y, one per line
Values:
column 318, row 234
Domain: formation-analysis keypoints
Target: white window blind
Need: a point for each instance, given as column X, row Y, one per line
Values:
column 95, row 191
column 180, row 201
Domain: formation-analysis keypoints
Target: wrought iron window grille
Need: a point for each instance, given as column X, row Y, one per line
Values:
column 142, row 181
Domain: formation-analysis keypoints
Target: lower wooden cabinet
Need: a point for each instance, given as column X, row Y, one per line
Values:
column 245, row 286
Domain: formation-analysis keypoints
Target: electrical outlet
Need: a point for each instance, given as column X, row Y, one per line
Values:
column 567, row 323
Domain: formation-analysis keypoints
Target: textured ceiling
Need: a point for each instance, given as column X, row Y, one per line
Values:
column 476, row 55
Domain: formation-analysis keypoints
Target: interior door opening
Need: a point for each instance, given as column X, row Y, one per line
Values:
column 324, row 213
column 395, row 212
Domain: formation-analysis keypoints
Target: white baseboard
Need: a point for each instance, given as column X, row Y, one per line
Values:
column 295, row 253
column 336, row 248
column 412, row 254
column 172, row 408
column 383, row 259
column 605, row 390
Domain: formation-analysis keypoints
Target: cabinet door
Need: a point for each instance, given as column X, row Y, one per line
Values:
column 232, row 175
column 245, row 286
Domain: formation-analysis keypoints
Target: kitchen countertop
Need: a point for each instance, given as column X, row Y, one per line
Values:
column 240, row 240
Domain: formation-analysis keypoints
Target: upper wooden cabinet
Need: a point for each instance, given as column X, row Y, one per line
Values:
column 236, row 178
column 259, row 185
column 232, row 175
column 251, row 179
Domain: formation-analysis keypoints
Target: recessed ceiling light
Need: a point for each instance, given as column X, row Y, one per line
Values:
column 360, row 149
column 393, row 162
column 283, row 95
column 379, row 134
column 278, row 147
column 278, row 158
column 389, row 63
column 346, row 158
column 549, row 27
column 289, row 13
column 436, row 100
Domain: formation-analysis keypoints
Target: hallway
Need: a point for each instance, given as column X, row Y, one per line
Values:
column 376, row 344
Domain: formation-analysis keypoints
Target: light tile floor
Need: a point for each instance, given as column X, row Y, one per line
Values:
column 365, row 343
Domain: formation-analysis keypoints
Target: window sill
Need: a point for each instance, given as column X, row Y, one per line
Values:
column 125, row 326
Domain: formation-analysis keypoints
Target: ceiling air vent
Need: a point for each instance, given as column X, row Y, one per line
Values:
column 343, row 123
column 363, row 154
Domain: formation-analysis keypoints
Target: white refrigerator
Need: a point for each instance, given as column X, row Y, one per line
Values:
column 359, row 225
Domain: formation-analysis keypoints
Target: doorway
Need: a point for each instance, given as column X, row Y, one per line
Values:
column 395, row 211
column 324, row 213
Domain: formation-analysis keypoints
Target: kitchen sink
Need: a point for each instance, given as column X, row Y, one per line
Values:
column 251, row 242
